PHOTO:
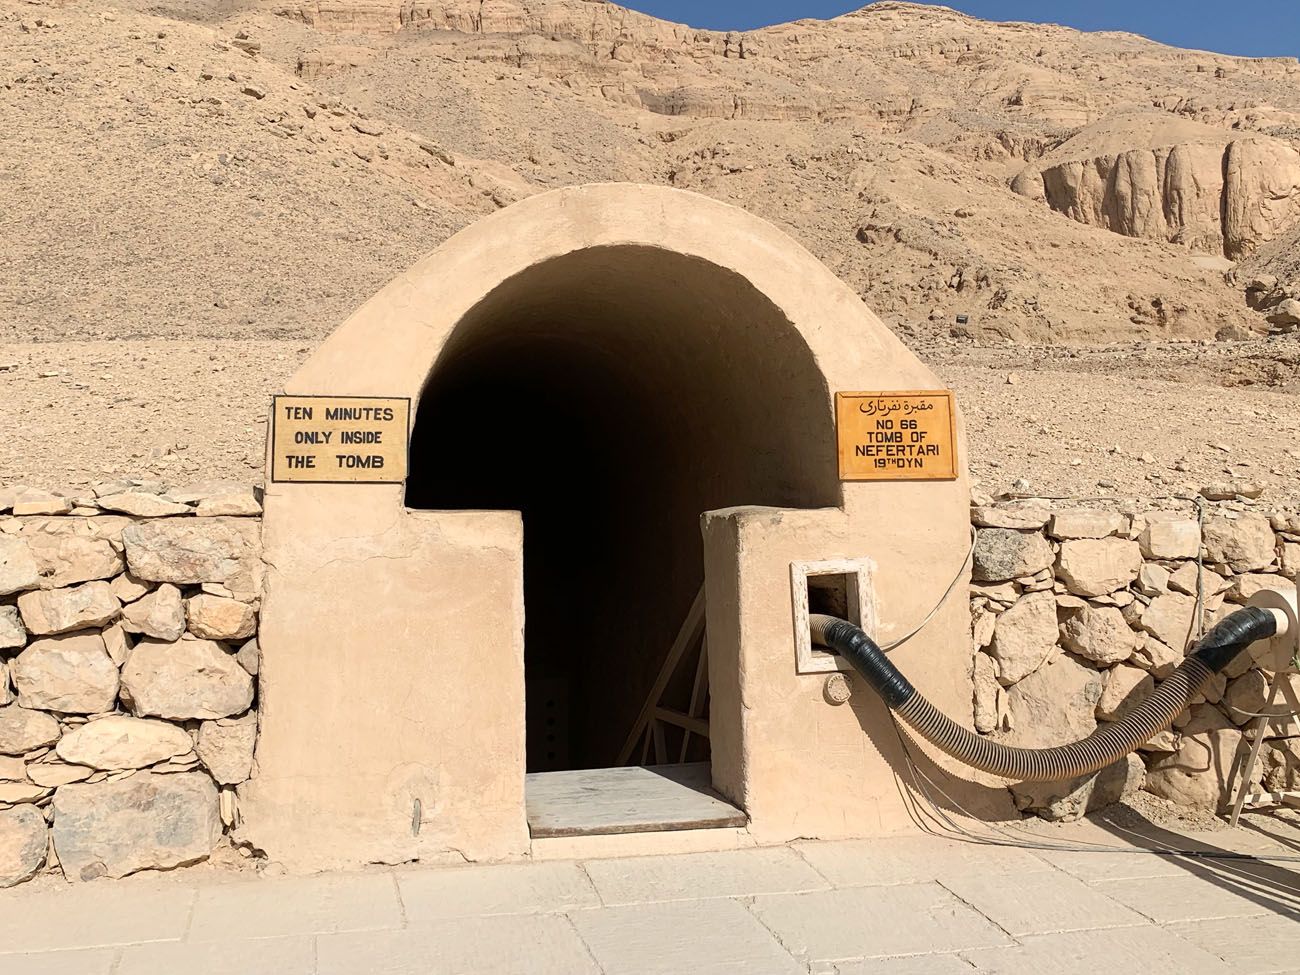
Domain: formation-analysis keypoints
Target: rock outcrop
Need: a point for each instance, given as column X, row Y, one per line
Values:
column 1152, row 176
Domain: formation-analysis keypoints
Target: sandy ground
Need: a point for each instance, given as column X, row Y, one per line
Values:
column 1074, row 423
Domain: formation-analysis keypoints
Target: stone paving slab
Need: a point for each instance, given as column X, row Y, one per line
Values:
column 913, row 859
column 1042, row 903
column 322, row 904
column 901, row 906
column 1251, row 946
column 91, row 916
column 434, row 895
column 1143, row 951
column 98, row 962
column 908, row 965
column 864, row 922
column 710, row 937
column 508, row 944
column 1197, row 897
column 772, row 870
column 265, row 956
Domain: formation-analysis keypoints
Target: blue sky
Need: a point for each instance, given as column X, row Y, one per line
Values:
column 1250, row 27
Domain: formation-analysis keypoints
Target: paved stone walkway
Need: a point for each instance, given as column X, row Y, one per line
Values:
column 902, row 906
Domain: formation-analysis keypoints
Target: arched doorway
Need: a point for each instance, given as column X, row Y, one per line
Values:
column 612, row 361
column 614, row 395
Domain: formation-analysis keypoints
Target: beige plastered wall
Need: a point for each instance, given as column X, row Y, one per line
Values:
column 392, row 640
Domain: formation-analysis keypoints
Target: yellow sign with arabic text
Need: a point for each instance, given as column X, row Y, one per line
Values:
column 897, row 436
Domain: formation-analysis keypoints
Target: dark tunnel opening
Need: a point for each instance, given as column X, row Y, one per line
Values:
column 612, row 396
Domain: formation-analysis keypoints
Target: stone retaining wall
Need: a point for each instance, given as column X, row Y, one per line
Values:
column 128, row 659
column 1076, row 613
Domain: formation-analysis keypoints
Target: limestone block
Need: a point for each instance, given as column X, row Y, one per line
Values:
column 1245, row 543
column 1002, row 554
column 49, row 611
column 1022, row 517
column 1290, row 559
column 144, row 821
column 1184, row 580
column 1054, row 705
column 23, row 844
column 127, row 588
column 1246, row 586
column 116, row 642
column 218, row 618
column 12, row 632
column 986, row 693
column 1169, row 619
column 1099, row 634
column 18, row 568
column 122, row 742
column 23, row 730
column 1086, row 523
column 226, row 748
column 1170, row 537
column 15, row 792
column 161, row 614
column 65, row 559
column 1000, row 593
column 1024, row 636
column 1197, row 774
column 139, row 504
column 1152, row 579
column 103, row 489
column 51, row 774
column 1068, row 801
column 184, row 551
column 250, row 656
column 1126, row 688
column 1247, row 696
column 1161, row 741
column 1095, row 567
column 108, row 528
column 72, row 674
column 43, row 506
column 196, row 491
column 982, row 628
column 186, row 679
column 232, row 505
column 12, row 769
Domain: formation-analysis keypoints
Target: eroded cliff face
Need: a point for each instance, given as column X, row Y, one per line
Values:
column 595, row 21
column 884, row 140
column 1208, row 191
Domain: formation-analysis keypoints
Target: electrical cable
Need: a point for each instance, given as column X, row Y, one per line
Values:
column 1036, row 842
column 947, row 594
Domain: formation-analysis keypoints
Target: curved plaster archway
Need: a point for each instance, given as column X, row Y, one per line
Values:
column 614, row 395
column 392, row 673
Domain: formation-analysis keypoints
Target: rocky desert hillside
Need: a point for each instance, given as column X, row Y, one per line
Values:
column 235, row 176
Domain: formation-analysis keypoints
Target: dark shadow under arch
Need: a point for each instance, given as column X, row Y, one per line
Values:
column 612, row 396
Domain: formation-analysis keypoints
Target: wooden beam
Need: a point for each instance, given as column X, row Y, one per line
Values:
column 691, row 631
column 696, row 726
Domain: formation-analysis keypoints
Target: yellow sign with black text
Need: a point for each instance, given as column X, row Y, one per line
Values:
column 897, row 436
column 339, row 439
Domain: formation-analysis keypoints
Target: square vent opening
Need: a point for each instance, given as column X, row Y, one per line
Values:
column 840, row 588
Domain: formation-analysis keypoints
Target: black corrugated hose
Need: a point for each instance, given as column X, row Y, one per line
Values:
column 1101, row 748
